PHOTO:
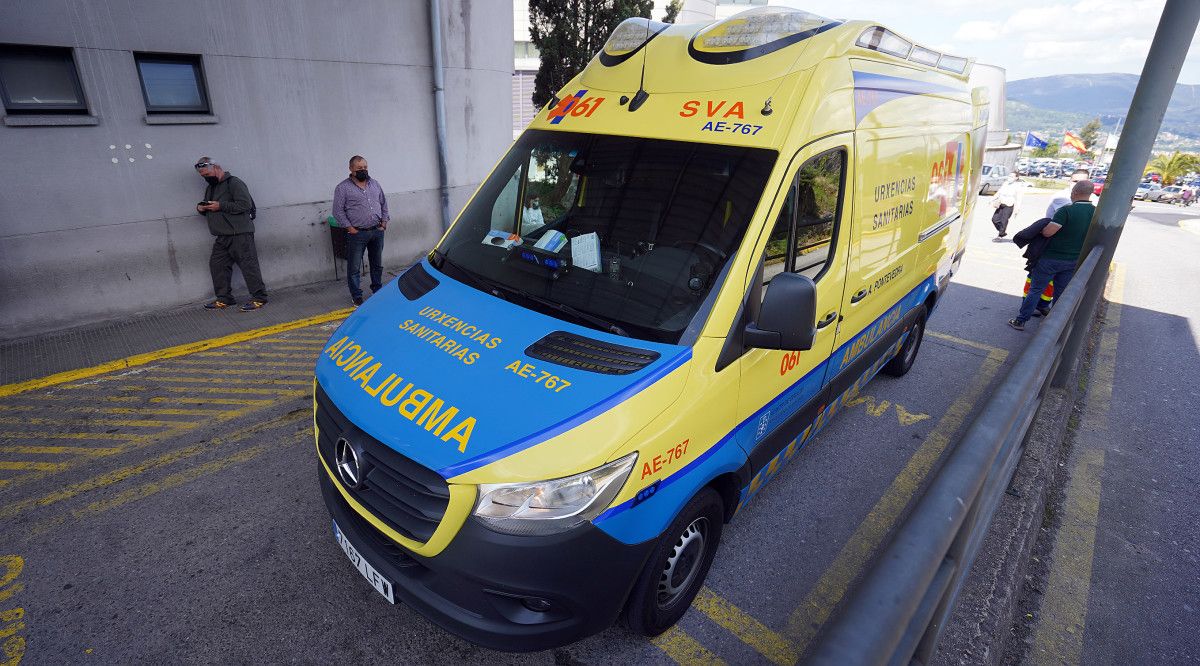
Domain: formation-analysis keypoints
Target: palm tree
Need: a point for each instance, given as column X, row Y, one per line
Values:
column 1172, row 166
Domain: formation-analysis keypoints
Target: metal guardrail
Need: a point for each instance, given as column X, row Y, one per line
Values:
column 897, row 613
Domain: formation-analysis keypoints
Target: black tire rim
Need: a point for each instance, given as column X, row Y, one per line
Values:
column 914, row 339
column 683, row 563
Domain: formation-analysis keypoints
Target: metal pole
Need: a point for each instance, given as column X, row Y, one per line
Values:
column 1175, row 31
column 439, row 107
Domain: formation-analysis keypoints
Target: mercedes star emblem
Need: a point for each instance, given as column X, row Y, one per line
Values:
column 348, row 467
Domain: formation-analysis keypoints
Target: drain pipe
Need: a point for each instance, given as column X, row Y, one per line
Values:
column 439, row 107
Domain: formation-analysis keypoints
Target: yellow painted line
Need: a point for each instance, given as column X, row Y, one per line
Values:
column 22, row 466
column 60, row 450
column 248, row 390
column 808, row 618
column 74, row 398
column 123, row 436
column 1058, row 637
column 154, row 487
column 1191, row 225
column 966, row 343
column 217, row 364
column 219, row 371
column 685, row 650
column 36, row 420
column 310, row 348
column 214, row 401
column 776, row 648
column 169, row 352
column 234, row 380
column 116, row 476
column 251, row 355
column 96, row 385
column 304, row 339
column 156, row 411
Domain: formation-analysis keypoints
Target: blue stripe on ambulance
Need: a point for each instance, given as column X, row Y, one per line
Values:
column 657, row 507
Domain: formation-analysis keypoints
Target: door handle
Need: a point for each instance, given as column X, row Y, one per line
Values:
column 829, row 319
column 862, row 293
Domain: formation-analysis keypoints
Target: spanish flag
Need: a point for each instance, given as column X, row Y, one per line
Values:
column 1072, row 141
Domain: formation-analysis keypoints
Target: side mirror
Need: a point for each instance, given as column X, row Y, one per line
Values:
column 788, row 317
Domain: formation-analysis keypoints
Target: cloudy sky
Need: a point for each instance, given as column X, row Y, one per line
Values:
column 1027, row 37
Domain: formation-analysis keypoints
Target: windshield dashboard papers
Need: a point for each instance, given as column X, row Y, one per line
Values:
column 501, row 239
column 552, row 241
column 585, row 252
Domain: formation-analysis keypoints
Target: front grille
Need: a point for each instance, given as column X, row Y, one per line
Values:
column 575, row 351
column 408, row 497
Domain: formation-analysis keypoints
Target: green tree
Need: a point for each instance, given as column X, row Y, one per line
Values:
column 672, row 10
column 568, row 33
column 1090, row 133
column 1051, row 150
column 1172, row 166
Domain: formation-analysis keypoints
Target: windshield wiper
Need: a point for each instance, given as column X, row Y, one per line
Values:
column 600, row 322
column 480, row 282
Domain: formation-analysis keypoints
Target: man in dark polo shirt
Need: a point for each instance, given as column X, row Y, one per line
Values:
column 1066, row 232
column 360, row 207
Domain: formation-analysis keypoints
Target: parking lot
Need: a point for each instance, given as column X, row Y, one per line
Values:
column 169, row 512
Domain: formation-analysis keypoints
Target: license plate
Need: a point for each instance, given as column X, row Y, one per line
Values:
column 381, row 584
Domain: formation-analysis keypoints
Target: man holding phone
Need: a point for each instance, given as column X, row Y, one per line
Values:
column 229, row 209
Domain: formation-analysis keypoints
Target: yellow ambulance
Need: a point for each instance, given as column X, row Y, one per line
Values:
column 710, row 238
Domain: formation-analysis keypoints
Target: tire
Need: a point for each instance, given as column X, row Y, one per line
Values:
column 904, row 359
column 662, row 594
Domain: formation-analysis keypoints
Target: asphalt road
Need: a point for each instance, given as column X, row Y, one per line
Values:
column 1119, row 581
column 170, row 513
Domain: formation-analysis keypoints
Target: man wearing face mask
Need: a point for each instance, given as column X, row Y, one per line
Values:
column 360, row 207
column 229, row 209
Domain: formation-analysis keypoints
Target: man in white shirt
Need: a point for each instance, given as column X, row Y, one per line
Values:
column 1063, row 197
column 531, row 216
column 1006, row 202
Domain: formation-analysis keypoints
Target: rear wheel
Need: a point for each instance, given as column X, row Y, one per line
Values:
column 677, row 568
column 904, row 359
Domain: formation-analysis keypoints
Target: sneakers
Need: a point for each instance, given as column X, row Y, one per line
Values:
column 1017, row 324
column 217, row 305
column 252, row 305
column 1041, row 312
column 358, row 301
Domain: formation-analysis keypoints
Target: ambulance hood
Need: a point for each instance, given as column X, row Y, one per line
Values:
column 456, row 379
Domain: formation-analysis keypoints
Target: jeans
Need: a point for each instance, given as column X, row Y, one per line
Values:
column 370, row 240
column 235, row 249
column 1059, row 270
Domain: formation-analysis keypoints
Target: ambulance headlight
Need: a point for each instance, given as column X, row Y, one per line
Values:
column 549, row 507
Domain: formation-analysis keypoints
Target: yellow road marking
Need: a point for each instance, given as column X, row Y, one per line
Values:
column 21, row 466
column 9, row 510
column 218, row 371
column 169, row 352
column 123, row 436
column 248, row 390
column 299, row 339
column 313, row 348
column 252, row 354
column 216, row 364
column 73, row 397
column 235, row 380
column 1058, row 637
column 61, row 450
column 96, row 385
column 960, row 341
column 685, row 650
column 812, row 613
column 146, row 490
column 1190, row 225
column 750, row 631
column 157, row 411
column 214, row 401
column 36, row 420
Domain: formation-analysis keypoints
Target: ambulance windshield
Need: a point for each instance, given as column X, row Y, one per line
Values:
column 624, row 234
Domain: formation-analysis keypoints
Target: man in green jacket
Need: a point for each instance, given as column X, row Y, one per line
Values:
column 228, row 207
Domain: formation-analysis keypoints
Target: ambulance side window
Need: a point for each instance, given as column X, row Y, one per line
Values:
column 802, row 238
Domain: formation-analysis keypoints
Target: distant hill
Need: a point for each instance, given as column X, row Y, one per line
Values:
column 1059, row 102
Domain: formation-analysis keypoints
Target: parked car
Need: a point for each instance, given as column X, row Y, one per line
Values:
column 1170, row 194
column 1098, row 184
column 992, row 178
column 1148, row 192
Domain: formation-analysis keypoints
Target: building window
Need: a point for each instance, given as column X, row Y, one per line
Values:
column 172, row 83
column 40, row 79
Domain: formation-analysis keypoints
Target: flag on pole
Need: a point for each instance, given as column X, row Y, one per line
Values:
column 1032, row 140
column 1072, row 141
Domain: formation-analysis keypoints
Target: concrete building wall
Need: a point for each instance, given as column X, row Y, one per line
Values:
column 99, row 220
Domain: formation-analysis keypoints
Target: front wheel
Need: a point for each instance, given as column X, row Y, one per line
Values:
column 904, row 359
column 677, row 568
